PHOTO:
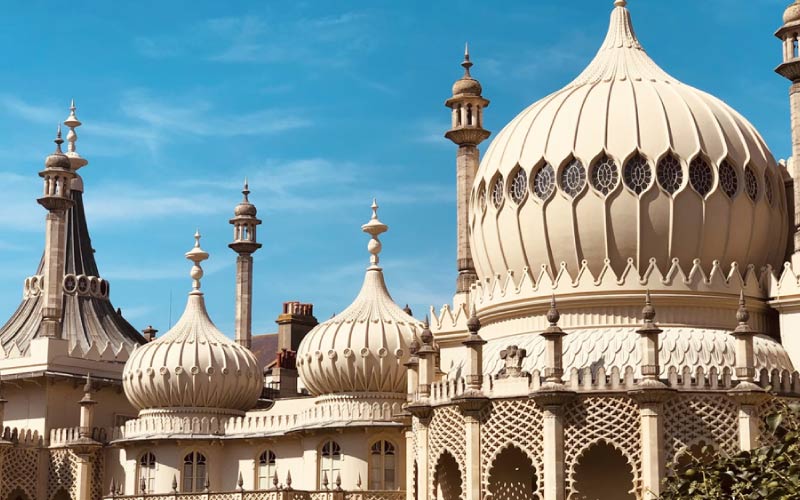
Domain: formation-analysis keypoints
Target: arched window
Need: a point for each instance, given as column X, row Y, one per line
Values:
column 147, row 471
column 194, row 472
column 382, row 464
column 265, row 469
column 330, row 462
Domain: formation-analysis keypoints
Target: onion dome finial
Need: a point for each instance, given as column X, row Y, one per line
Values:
column 374, row 228
column 245, row 207
column 196, row 255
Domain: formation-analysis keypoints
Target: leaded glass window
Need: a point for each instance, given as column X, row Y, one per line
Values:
column 728, row 179
column 573, row 178
column 519, row 186
column 669, row 173
column 497, row 192
column 194, row 472
column 265, row 470
column 330, row 463
column 604, row 174
column 147, row 471
column 544, row 182
column 700, row 176
column 750, row 183
column 382, row 466
column 638, row 174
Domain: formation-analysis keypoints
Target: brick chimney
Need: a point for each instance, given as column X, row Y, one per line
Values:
column 294, row 323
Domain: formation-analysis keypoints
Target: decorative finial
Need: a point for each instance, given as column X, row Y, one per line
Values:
column 374, row 228
column 72, row 122
column 325, row 479
column 338, row 481
column 207, row 485
column 59, row 141
column 88, row 387
column 275, row 479
column 552, row 314
column 196, row 255
column 742, row 314
column 240, row 482
column 408, row 310
column 467, row 64
column 648, row 311
column 427, row 335
column 143, row 486
column 246, row 191
column 358, row 481
column 620, row 3
column 473, row 323
column 289, row 479
column 174, row 483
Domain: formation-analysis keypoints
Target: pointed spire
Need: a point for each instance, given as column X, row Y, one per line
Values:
column 407, row 310
column 275, row 480
column 196, row 255
column 142, row 486
column 59, row 141
column 325, row 479
column 174, row 483
column 240, row 482
column 742, row 317
column 552, row 314
column 648, row 317
column 245, row 191
column 72, row 137
column 473, row 323
column 467, row 64
column 88, row 387
column 288, row 480
column 338, row 481
column 374, row 228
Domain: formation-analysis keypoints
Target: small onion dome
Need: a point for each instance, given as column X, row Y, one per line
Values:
column 792, row 13
column 245, row 208
column 57, row 160
column 362, row 349
column 467, row 85
column 193, row 365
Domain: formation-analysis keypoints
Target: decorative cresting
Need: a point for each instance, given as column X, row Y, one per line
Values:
column 363, row 349
column 623, row 163
column 194, row 367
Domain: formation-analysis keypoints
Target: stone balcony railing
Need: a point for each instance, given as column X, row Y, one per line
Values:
column 270, row 495
column 446, row 391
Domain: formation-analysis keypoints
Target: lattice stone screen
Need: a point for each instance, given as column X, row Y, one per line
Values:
column 446, row 432
column 707, row 418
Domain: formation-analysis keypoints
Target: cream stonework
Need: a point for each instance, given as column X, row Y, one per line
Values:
column 628, row 291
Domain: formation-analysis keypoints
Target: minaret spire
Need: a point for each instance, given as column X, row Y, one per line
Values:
column 56, row 198
column 790, row 69
column 244, row 244
column 73, row 123
column 467, row 133
column 374, row 228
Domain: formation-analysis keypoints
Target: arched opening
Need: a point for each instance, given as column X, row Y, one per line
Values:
column 265, row 469
column 194, row 472
column 330, row 463
column 61, row 494
column 382, row 462
column 512, row 476
column 447, row 478
column 603, row 473
column 147, row 471
column 18, row 494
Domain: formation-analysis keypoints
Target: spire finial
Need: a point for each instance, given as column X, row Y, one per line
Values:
column 58, row 140
column 196, row 255
column 620, row 3
column 374, row 228
column 742, row 314
column 552, row 314
column 88, row 387
column 246, row 191
column 467, row 64
column 72, row 122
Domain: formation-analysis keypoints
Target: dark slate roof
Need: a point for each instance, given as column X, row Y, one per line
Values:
column 89, row 319
column 265, row 347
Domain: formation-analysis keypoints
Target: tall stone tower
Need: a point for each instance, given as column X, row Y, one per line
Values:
column 467, row 133
column 244, row 243
column 58, row 176
column 789, row 33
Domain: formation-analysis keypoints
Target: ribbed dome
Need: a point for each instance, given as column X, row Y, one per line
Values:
column 623, row 163
column 792, row 13
column 363, row 349
column 194, row 365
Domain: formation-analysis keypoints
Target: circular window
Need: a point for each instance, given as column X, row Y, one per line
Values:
column 604, row 174
column 544, row 182
column 768, row 189
column 497, row 192
column 519, row 186
column 750, row 183
column 638, row 174
column 727, row 179
column 669, row 173
column 700, row 176
column 573, row 177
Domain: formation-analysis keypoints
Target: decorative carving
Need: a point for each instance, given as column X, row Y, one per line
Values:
column 512, row 357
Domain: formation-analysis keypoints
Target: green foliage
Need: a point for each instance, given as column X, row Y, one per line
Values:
column 771, row 472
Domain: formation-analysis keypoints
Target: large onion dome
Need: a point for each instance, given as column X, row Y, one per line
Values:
column 193, row 367
column 362, row 349
column 626, row 162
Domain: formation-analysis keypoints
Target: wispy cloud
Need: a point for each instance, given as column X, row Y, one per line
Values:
column 34, row 113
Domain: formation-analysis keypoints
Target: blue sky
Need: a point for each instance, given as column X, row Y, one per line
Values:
column 323, row 105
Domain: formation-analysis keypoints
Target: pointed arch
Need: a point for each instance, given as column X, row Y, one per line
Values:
column 512, row 475
column 447, row 478
column 603, row 472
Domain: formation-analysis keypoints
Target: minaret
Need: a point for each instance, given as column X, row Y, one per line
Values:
column 57, row 176
column 244, row 243
column 467, row 132
column 789, row 33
